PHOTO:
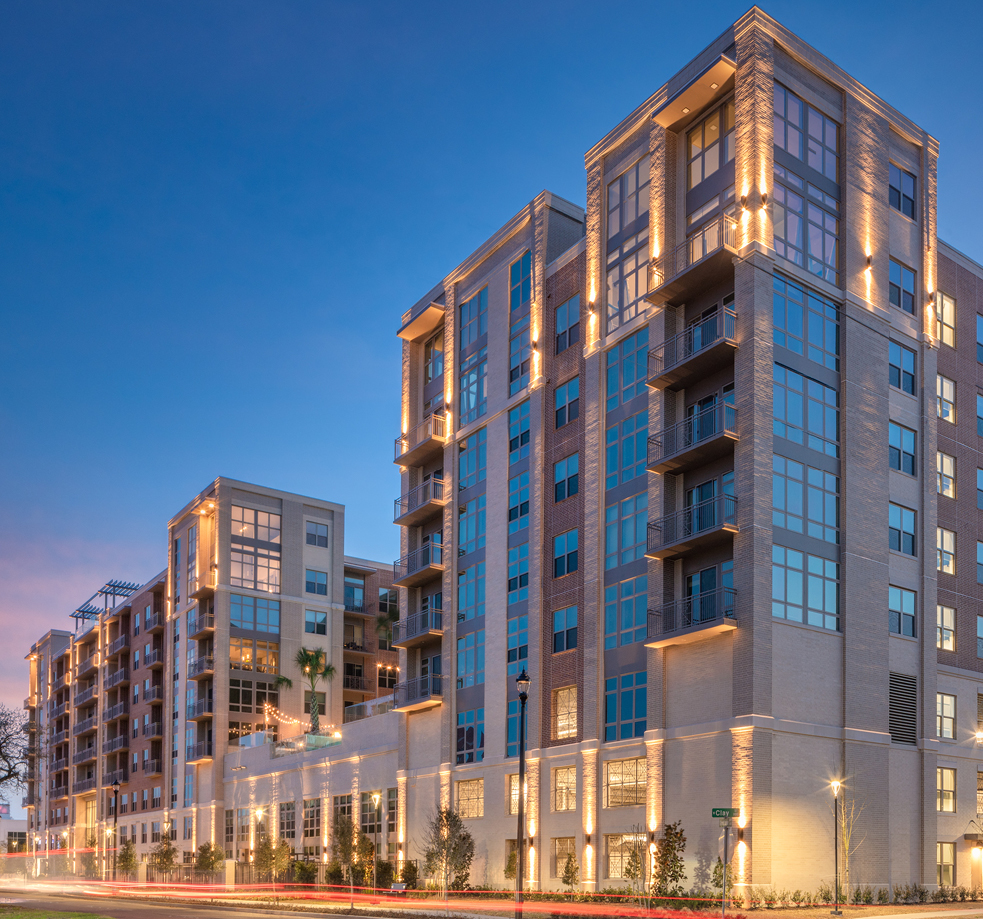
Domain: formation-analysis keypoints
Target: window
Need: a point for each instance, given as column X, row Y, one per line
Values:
column 945, row 863
column 371, row 813
column 903, row 708
column 315, row 622
column 806, row 323
column 805, row 588
column 621, row 850
column 471, row 526
column 806, row 411
column 471, row 459
column 626, row 449
column 471, row 591
column 805, row 499
column 433, row 358
column 517, row 644
column 945, row 546
column 471, row 736
column 518, row 432
column 317, row 582
column 567, row 324
column 317, row 534
column 625, row 609
column 518, row 502
column 512, row 728
column 563, row 789
column 901, row 287
column 901, row 190
column 473, row 317
column 320, row 702
column 241, row 653
column 312, row 818
column 901, row 448
column 901, row 611
column 518, row 573
column 564, row 629
column 257, row 568
column 979, row 636
column 155, row 831
column 625, row 706
column 625, row 526
column 945, row 716
column 566, row 478
column 979, row 562
column 626, row 365
column 229, row 827
column 567, row 402
column 519, row 355
column 625, row 781
column 945, row 790
column 512, row 800
column 354, row 594
column 471, row 659
column 388, row 677
column 471, row 798
column 565, row 713
column 254, row 613
column 520, row 283
column 561, row 848
column 474, row 386
column 979, row 338
column 288, row 820
column 901, row 529
column 979, row 488
column 945, row 319
column 805, row 133
column 945, row 391
column 628, row 199
column 189, row 789
column 392, row 800
column 710, row 144
column 947, row 474
column 565, row 555
column 807, row 225
column 341, row 806
column 945, row 628
column 901, row 361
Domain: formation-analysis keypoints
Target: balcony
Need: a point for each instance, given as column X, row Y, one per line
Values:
column 694, row 442
column 28, row 703
column 705, row 524
column 120, row 775
column 87, row 666
column 693, row 266
column 408, row 633
column 692, row 618
column 419, row 566
column 154, row 624
column 362, row 710
column 201, row 625
column 154, row 729
column 58, row 791
column 196, row 711
column 58, row 765
column 421, row 503
column 152, row 766
column 155, row 659
column 88, row 755
column 29, row 727
column 358, row 683
column 85, row 727
column 198, row 751
column 120, row 708
column 154, row 694
column 422, row 443
column 693, row 353
column 202, row 586
column 58, row 710
column 60, row 682
column 424, row 692
column 81, row 787
column 122, row 742
column 86, row 695
column 358, row 646
column 33, row 748
column 58, row 738
column 116, row 679
column 118, row 645
column 31, row 799
column 202, row 668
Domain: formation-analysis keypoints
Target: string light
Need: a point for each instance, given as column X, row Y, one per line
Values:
column 271, row 711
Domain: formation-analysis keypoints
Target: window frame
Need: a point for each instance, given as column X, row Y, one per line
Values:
column 945, row 716
column 897, row 196
column 564, row 720
column 945, row 627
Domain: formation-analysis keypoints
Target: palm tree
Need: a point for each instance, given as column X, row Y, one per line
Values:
column 312, row 662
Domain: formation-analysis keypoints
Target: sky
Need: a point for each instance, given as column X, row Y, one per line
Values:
column 213, row 214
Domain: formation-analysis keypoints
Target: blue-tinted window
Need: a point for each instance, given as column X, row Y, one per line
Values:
column 625, row 612
column 806, row 323
column 625, row 706
column 626, row 365
column 626, row 449
column 564, row 629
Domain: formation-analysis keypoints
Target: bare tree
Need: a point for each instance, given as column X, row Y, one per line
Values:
column 13, row 749
column 850, row 841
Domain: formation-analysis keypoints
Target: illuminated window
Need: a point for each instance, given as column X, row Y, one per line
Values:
column 710, row 144
column 619, row 849
column 945, row 790
column 945, row 716
column 512, row 798
column 945, row 864
column 901, row 362
column 901, row 611
column 947, row 474
column 625, row 782
column 471, row 798
column 945, row 319
column 945, row 545
column 945, row 628
column 257, row 525
column 901, row 287
column 563, row 789
column 561, row 848
column 901, row 190
column 565, row 713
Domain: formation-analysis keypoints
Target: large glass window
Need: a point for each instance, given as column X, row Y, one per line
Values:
column 471, row 659
column 626, row 446
column 518, row 502
column 567, row 399
column 805, row 588
column 433, row 357
column 256, row 613
column 354, row 593
column 710, row 144
column 945, row 864
column 901, row 448
column 901, row 363
column 901, row 287
column 901, row 529
column 806, row 411
column 518, row 432
column 627, row 280
column 471, row 525
column 519, row 356
column 625, row 526
column 471, row 591
column 805, row 132
column 512, row 728
column 625, row 609
column 625, row 706
column 518, row 573
column 471, row 454
column 520, row 283
column 518, row 644
column 565, row 713
column 806, row 224
column 628, row 198
column 473, row 317
column 563, row 789
column 474, row 386
column 625, row 369
column 471, row 798
column 901, row 190
column 471, row 736
column 805, row 499
column 901, row 611
column 806, row 323
column 625, row 782
column 567, row 324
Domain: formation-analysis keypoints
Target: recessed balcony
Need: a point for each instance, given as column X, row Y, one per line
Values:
column 694, row 442
column 85, row 727
column 201, row 625
column 59, row 682
column 86, row 695
column 708, row 523
column 56, row 711
column 199, row 710
column 118, row 645
column 693, row 353
column 118, row 775
column 423, row 442
column 153, row 729
column 58, row 792
column 415, row 630
column 58, row 765
column 419, row 566
column 202, row 669
column 421, row 503
column 87, row 755
column 59, row 737
column 116, row 679
column 117, row 710
column 202, row 586
column 154, row 624
column 155, row 659
column 152, row 766
column 153, row 694
column 84, row 785
column 31, row 799
column 358, row 683
column 87, row 666
column 697, row 264
column 122, row 742
column 197, row 752
column 692, row 618
column 423, row 692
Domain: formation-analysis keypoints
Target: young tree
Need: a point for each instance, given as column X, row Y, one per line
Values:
column 126, row 858
column 669, row 873
column 264, row 857
column 571, row 872
column 88, row 858
column 448, row 848
column 364, row 856
column 282, row 856
column 163, row 856
column 209, row 857
column 343, row 847
column 512, row 864
column 718, row 877
column 312, row 662
column 850, row 813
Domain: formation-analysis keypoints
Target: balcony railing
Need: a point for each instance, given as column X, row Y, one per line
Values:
column 30, row 799
column 59, row 737
column 692, row 618
column 58, row 710
column 153, row 694
column 114, row 679
column 86, row 695
column 198, row 751
column 690, row 354
column 154, row 623
column 87, row 666
column 153, row 729
column 418, row 565
column 420, row 502
column 695, row 441
column 85, row 756
column 362, row 710
column 354, row 607
column 120, row 708
column 154, row 659
column 202, row 666
column 702, row 524
column 199, row 708
column 83, row 786
column 201, row 624
column 152, row 766
column 58, row 765
column 358, row 683
column 416, row 629
column 711, row 247
column 59, row 791
column 118, row 645
column 29, row 703
column 118, row 775
column 121, row 742
column 83, row 727
column 60, row 681
column 202, row 585
column 424, row 440
column 419, row 693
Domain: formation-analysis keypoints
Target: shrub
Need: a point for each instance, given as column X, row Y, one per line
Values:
column 963, row 893
column 825, row 893
column 858, row 895
column 334, row 874
column 883, row 896
column 770, row 898
column 753, row 898
column 305, row 872
column 410, row 875
column 798, row 898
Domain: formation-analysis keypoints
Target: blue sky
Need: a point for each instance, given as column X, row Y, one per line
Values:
column 213, row 214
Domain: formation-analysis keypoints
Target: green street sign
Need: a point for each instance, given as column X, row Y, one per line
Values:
column 726, row 812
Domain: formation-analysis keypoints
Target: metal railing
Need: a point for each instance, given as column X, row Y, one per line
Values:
column 83, row 786
column 118, row 775
column 202, row 665
column 84, row 756
column 710, row 423
column 710, row 238
column 418, row 690
column 358, row 683
column 433, row 426
column 58, row 710
column 362, row 710
column 86, row 695
column 120, row 708
column 200, row 707
column 431, row 620
column 155, row 621
column 30, row 799
column 86, row 666
column 84, row 727
column 354, row 608
column 153, row 694
column 702, row 609
column 153, row 729
column 156, row 656
column 698, row 337
column 704, row 517
column 114, row 679
column 152, row 766
column 198, row 750
column 424, row 557
column 116, row 743
column 431, row 490
column 58, row 765
column 60, row 737
column 59, row 681
column 201, row 623
column 118, row 645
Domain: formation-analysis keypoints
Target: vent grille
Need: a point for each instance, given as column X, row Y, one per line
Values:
column 903, row 709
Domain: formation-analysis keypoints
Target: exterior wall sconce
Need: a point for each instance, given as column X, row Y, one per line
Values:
column 743, row 202
column 586, row 839
column 764, row 200
column 870, row 261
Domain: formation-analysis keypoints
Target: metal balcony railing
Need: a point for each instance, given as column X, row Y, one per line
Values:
column 712, row 237
column 691, row 342
column 153, row 729
column 84, row 756
column 86, row 695
column 58, row 710
column 121, row 742
column 682, row 437
column 156, row 621
column 432, row 491
column 699, row 520
column 83, row 786
column 83, row 727
column 118, row 775
column 58, row 765
column 358, row 683
column 155, row 657
column 114, row 679
column 152, row 766
column 432, row 428
column 428, row 622
column 59, row 737
column 120, row 708
column 204, row 622
column 86, row 666
column 704, row 609
column 196, row 751
column 422, row 689
column 430, row 555
column 60, row 681
column 30, row 799
column 153, row 694
column 201, row 666
column 199, row 708
column 118, row 645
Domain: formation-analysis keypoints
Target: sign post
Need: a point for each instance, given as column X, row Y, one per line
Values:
column 726, row 816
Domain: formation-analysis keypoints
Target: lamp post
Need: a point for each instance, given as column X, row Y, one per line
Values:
column 522, row 682
column 835, row 786
column 376, row 797
column 115, row 823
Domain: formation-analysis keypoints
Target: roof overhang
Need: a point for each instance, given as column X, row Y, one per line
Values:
column 425, row 321
column 697, row 94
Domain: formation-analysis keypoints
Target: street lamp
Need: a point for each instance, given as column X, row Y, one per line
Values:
column 115, row 822
column 522, row 684
column 375, row 848
column 835, row 786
